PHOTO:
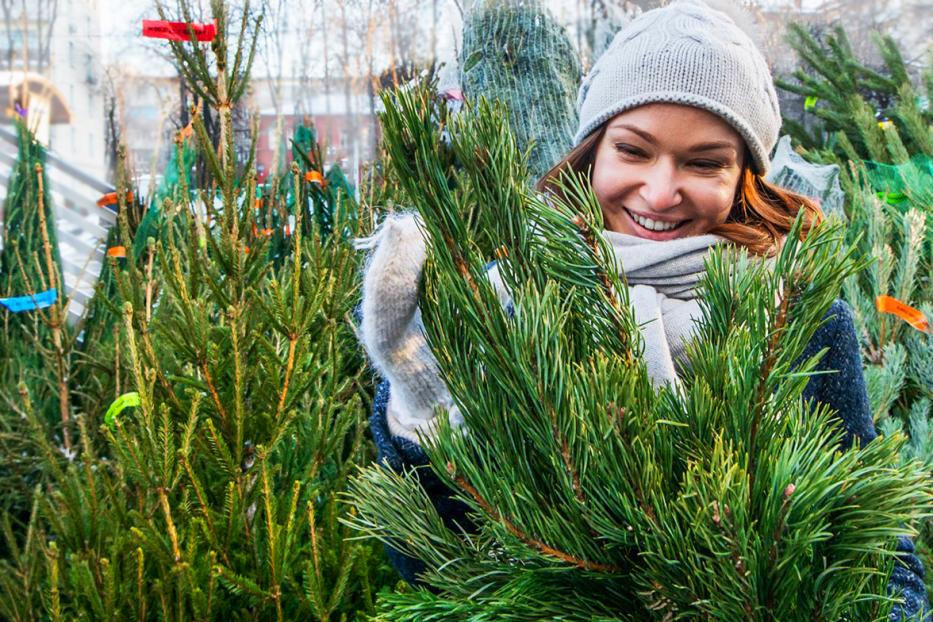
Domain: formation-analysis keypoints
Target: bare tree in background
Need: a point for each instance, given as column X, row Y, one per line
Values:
column 114, row 123
column 21, row 17
column 277, row 15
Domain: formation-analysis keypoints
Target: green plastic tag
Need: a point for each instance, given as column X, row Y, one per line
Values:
column 124, row 401
column 810, row 102
column 892, row 198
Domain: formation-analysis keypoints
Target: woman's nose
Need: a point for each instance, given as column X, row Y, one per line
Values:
column 660, row 188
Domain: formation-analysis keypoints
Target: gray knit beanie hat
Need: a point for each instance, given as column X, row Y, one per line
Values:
column 685, row 53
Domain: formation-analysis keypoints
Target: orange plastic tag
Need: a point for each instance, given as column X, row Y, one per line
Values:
column 314, row 177
column 111, row 199
column 116, row 251
column 914, row 317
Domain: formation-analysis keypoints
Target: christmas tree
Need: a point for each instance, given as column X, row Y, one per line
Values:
column 591, row 494
column 35, row 340
column 208, row 490
column 861, row 112
column 516, row 53
column 137, row 227
column 872, row 122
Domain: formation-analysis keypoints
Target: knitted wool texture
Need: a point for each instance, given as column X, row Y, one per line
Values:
column 391, row 326
column 685, row 53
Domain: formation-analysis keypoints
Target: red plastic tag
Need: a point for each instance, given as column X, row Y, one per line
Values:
column 111, row 199
column 178, row 31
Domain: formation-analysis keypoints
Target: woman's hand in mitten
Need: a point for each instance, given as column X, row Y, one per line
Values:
column 393, row 334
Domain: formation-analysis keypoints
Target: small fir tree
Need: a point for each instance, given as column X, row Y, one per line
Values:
column 873, row 123
column 35, row 344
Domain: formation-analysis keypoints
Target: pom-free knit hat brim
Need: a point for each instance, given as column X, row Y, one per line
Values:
column 685, row 53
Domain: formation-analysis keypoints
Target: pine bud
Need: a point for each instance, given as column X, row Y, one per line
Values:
column 789, row 490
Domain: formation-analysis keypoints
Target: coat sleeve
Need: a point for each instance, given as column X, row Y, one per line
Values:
column 400, row 454
column 844, row 390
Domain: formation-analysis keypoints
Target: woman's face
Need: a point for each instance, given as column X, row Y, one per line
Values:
column 665, row 171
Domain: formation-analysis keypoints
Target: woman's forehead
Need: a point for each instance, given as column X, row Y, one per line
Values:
column 676, row 122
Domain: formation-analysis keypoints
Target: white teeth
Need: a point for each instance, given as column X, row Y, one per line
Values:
column 653, row 225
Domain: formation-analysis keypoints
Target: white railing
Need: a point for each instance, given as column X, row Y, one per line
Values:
column 82, row 225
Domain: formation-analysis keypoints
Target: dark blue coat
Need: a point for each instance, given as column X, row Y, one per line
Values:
column 844, row 391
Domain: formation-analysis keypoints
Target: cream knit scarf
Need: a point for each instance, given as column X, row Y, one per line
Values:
column 663, row 279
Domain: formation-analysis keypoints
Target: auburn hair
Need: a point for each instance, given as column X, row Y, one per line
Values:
column 761, row 215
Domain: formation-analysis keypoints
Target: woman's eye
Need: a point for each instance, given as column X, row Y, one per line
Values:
column 629, row 149
column 708, row 165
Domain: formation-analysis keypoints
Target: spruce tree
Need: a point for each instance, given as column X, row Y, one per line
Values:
column 860, row 112
column 873, row 122
column 138, row 226
column 30, row 262
column 208, row 490
column 35, row 341
column 592, row 495
column 516, row 52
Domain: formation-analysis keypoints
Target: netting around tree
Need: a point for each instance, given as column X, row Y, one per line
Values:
column 821, row 182
column 515, row 52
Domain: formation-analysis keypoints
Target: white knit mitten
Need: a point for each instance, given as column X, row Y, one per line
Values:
column 393, row 334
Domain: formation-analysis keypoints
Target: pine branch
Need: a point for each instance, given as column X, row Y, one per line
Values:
column 529, row 541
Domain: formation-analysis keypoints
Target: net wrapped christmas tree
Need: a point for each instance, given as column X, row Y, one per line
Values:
column 590, row 494
column 516, row 53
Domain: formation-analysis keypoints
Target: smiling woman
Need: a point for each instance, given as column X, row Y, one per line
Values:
column 663, row 171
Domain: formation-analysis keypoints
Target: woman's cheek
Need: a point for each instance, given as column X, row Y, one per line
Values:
column 718, row 204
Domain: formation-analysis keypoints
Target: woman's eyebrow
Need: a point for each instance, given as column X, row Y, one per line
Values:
column 707, row 146
column 719, row 144
column 643, row 134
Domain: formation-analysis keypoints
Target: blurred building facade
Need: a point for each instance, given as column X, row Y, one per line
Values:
column 344, row 121
column 149, row 108
column 50, row 71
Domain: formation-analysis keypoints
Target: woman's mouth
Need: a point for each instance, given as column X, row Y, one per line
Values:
column 655, row 229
